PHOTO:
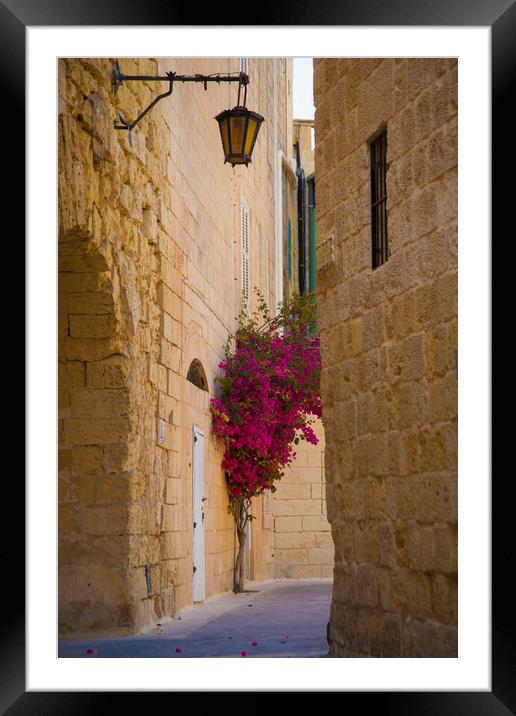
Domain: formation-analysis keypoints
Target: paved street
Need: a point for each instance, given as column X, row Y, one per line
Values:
column 278, row 618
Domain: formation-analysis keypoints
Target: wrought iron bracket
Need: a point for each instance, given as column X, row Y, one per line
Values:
column 130, row 125
column 118, row 80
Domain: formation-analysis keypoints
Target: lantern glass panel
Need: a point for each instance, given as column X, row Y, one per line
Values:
column 237, row 129
column 251, row 134
column 224, row 133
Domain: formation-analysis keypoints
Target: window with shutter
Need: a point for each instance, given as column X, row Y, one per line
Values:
column 244, row 235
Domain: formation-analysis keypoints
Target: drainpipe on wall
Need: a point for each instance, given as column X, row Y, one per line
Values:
column 278, row 252
column 301, row 221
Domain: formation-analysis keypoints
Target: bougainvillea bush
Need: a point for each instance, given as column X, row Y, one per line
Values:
column 268, row 397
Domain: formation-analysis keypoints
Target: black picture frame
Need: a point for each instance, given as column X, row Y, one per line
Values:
column 500, row 15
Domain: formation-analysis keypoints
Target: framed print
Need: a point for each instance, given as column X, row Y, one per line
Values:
column 35, row 38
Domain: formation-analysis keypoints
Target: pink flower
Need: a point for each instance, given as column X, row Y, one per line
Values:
column 243, row 653
column 89, row 651
column 255, row 643
column 178, row 650
column 269, row 387
column 230, row 463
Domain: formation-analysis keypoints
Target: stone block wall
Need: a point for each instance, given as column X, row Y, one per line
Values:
column 303, row 546
column 389, row 342
column 149, row 279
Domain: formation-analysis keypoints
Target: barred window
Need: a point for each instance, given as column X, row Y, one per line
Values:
column 380, row 246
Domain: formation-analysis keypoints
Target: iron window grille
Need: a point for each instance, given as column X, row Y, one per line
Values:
column 380, row 245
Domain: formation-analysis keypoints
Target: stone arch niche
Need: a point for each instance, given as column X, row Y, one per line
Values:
column 197, row 380
column 197, row 375
column 195, row 358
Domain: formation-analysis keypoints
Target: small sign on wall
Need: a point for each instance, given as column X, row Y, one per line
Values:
column 325, row 253
column 267, row 502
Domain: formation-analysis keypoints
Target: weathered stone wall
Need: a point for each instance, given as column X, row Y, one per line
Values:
column 389, row 340
column 303, row 546
column 150, row 278
column 302, row 134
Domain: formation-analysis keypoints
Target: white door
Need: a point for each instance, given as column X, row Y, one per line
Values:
column 248, row 550
column 198, row 501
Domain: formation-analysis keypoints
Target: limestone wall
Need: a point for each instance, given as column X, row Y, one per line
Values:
column 303, row 546
column 389, row 341
column 150, row 278
column 302, row 134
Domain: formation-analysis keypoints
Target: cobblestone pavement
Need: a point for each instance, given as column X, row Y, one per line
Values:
column 278, row 618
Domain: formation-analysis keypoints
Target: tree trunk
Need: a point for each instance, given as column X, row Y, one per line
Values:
column 241, row 513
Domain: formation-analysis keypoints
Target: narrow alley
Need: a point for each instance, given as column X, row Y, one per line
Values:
column 277, row 618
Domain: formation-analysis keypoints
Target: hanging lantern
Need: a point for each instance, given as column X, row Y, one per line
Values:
column 238, row 126
column 238, row 130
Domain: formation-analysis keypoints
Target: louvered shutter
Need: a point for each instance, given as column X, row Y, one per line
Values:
column 244, row 235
